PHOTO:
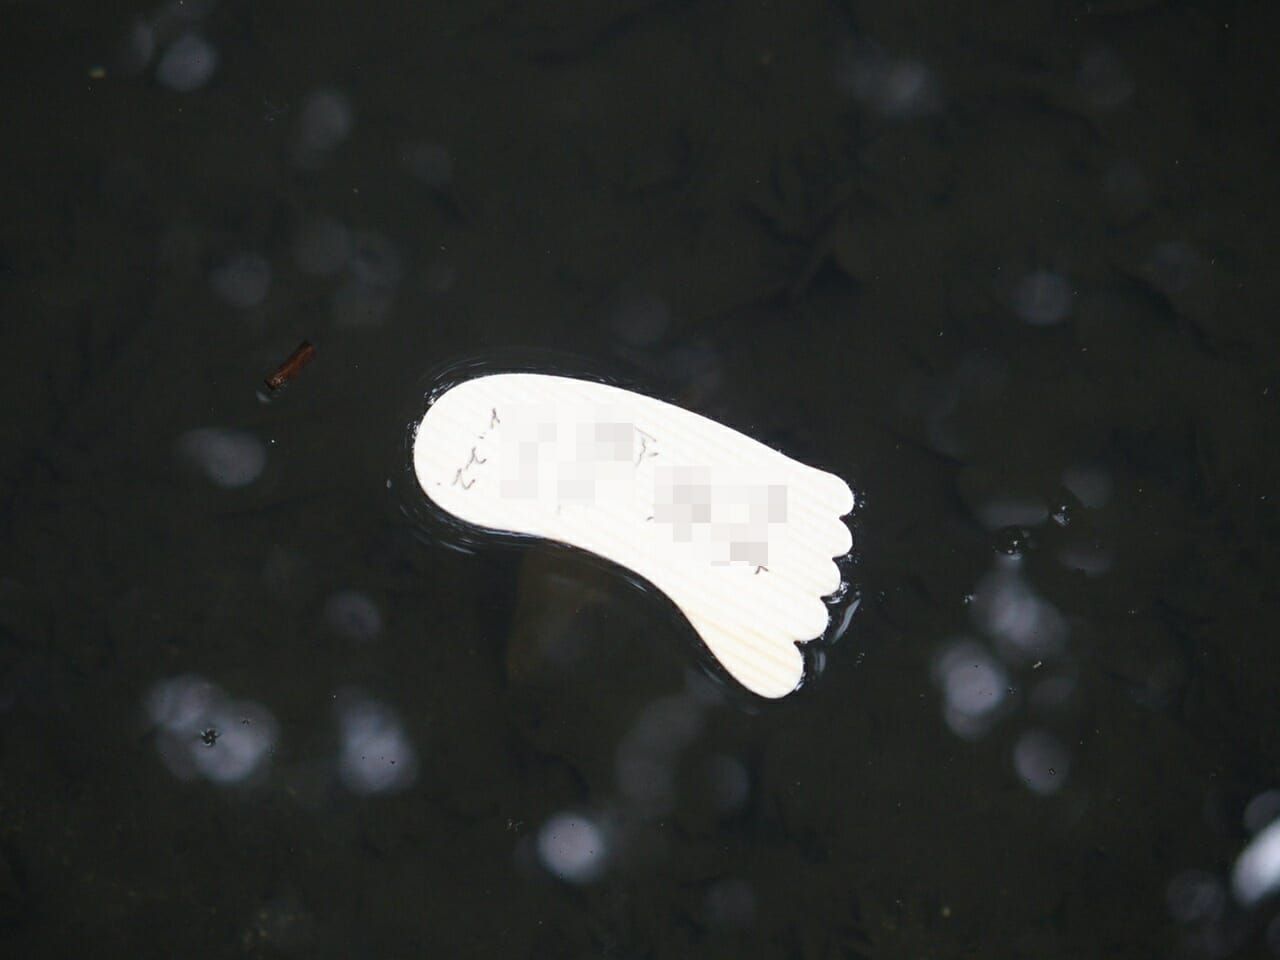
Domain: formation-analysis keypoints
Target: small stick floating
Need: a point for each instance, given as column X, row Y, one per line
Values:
column 292, row 366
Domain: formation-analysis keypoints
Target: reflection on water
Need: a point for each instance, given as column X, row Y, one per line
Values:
column 897, row 87
column 573, row 847
column 188, row 63
column 230, row 458
column 324, row 121
column 1219, row 910
column 375, row 754
column 353, row 616
column 730, row 905
column 201, row 732
column 1256, row 874
column 1024, row 626
column 242, row 281
column 1023, row 663
column 1041, row 761
column 973, row 685
column 1042, row 298
column 646, row 759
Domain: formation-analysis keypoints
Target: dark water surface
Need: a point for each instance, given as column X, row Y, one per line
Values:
column 1008, row 268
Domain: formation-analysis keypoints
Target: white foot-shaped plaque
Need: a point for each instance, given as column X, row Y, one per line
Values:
column 740, row 537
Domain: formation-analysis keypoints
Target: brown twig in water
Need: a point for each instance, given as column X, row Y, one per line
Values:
column 292, row 366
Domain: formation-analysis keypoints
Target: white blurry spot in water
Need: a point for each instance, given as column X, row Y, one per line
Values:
column 1103, row 78
column 180, row 704
column 230, row 458
column 894, row 87
column 188, row 64
column 428, row 162
column 1261, row 810
column 728, row 781
column 439, row 277
column 1172, row 267
column 184, row 11
column 138, row 48
column 1256, row 874
column 374, row 267
column 978, row 381
column 573, row 847
column 246, row 734
column 202, row 733
column 973, row 685
column 242, row 281
column 1126, row 189
column 731, row 904
column 644, row 766
column 322, row 247
column 1005, row 512
column 1052, row 693
column 1025, row 626
column 1090, row 558
column 376, row 755
column 1042, row 762
column 640, row 320
column 357, row 304
column 1042, row 298
column 326, row 119
column 1272, row 936
column 1195, row 896
column 374, row 259
column 1091, row 485
column 353, row 615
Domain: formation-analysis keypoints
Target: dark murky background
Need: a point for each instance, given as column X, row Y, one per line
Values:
column 1007, row 268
